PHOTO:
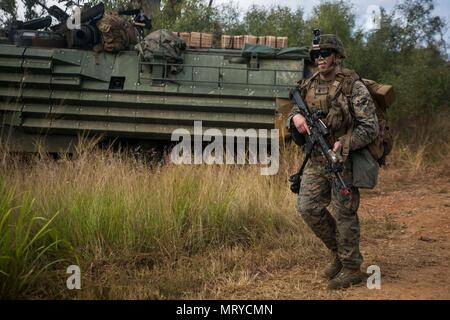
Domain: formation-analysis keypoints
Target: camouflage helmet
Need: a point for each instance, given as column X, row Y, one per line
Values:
column 330, row 41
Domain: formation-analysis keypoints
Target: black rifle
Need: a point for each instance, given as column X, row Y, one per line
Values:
column 89, row 15
column 140, row 20
column 55, row 11
column 86, row 35
column 317, row 138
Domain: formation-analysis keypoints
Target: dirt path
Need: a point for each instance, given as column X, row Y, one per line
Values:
column 413, row 251
column 415, row 258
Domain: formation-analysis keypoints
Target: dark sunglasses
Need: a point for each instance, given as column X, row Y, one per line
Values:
column 321, row 53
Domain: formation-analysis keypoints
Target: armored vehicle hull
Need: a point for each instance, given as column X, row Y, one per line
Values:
column 50, row 97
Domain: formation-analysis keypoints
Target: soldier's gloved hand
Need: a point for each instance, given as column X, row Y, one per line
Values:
column 337, row 147
column 300, row 123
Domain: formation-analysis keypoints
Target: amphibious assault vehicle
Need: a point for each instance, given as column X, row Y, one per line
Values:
column 51, row 95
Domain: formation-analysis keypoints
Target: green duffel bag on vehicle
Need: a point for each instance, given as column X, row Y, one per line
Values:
column 365, row 169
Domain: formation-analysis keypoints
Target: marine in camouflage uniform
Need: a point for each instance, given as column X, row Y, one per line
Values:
column 349, row 112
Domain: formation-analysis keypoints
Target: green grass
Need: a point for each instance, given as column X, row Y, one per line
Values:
column 28, row 245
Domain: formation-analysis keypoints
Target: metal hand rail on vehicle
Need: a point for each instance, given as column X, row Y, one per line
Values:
column 220, row 81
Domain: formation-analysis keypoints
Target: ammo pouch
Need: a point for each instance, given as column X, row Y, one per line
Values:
column 298, row 138
column 365, row 169
column 295, row 180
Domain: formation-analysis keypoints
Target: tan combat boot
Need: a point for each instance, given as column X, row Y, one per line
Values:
column 333, row 267
column 346, row 278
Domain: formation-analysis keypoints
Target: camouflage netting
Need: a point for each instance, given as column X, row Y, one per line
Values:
column 162, row 44
column 117, row 33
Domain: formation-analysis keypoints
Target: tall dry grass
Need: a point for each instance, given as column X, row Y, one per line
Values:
column 149, row 230
column 113, row 207
column 421, row 149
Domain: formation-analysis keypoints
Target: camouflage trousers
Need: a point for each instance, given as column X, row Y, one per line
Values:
column 340, row 231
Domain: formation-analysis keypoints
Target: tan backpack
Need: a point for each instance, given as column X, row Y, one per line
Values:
column 383, row 96
column 117, row 33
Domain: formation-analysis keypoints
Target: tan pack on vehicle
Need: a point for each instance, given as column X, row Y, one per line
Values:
column 117, row 33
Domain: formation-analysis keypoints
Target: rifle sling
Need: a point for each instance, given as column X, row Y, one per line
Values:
column 302, row 168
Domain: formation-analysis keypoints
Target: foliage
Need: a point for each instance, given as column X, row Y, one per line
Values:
column 28, row 244
column 276, row 21
column 335, row 17
column 8, row 11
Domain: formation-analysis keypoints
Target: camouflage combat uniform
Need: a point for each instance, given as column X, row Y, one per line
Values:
column 340, row 232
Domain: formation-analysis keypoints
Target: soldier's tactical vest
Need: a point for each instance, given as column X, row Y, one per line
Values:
column 333, row 99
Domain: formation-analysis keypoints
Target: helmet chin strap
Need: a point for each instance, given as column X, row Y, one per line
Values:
column 338, row 62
